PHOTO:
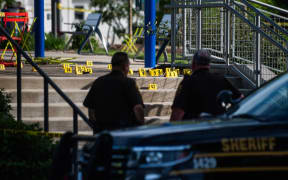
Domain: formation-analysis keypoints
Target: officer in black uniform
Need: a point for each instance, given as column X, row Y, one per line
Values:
column 114, row 100
column 198, row 93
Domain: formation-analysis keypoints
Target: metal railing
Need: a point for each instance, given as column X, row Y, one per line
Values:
column 47, row 81
column 253, row 40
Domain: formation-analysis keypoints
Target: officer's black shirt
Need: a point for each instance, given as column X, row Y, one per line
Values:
column 197, row 93
column 113, row 97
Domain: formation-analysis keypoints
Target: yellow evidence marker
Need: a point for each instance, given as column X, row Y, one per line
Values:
column 65, row 65
column 153, row 72
column 68, row 70
column 33, row 69
column 142, row 72
column 89, row 70
column 83, row 68
column 78, row 70
column 109, row 66
column 131, row 72
column 160, row 71
column 152, row 87
column 89, row 63
column 187, row 72
column 171, row 74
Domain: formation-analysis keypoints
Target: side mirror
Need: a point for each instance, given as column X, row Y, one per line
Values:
column 224, row 99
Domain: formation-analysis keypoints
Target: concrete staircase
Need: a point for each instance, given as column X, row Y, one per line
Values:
column 158, row 102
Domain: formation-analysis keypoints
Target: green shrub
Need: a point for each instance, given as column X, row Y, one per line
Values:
column 22, row 156
column 54, row 43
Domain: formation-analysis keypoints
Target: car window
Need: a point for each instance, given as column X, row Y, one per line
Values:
column 270, row 101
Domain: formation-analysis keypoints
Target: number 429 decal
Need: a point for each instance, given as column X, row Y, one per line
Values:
column 204, row 163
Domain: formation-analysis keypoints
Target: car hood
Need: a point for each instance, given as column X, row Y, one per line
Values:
column 139, row 135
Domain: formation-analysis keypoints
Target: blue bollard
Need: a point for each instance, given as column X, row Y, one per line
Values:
column 39, row 28
column 150, row 36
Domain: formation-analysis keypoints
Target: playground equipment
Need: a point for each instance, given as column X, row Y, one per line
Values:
column 253, row 41
column 16, row 24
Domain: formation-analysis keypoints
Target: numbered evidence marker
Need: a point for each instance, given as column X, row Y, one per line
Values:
column 89, row 63
column 178, row 71
column 187, row 71
column 33, row 69
column 83, row 69
column 109, row 66
column 86, row 70
column 155, row 72
column 78, row 70
column 142, row 72
column 89, row 70
column 160, row 71
column 65, row 65
column 167, row 70
column 152, row 87
column 68, row 70
column 171, row 74
column 131, row 72
column 2, row 67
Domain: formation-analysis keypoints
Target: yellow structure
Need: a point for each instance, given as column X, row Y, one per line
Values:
column 89, row 63
column 142, row 72
column 152, row 87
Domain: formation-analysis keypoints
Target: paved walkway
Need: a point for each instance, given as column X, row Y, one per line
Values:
column 99, row 61
column 100, row 65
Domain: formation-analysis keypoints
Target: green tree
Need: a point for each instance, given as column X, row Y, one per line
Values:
column 7, row 2
column 113, row 12
column 279, row 3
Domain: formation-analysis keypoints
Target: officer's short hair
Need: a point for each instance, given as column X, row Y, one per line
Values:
column 119, row 59
column 202, row 57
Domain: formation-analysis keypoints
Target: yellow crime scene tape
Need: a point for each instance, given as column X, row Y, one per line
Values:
column 59, row 6
column 34, row 133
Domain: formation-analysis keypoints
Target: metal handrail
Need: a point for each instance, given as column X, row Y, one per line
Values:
column 284, row 31
column 47, row 80
column 257, row 29
column 269, row 6
column 272, row 31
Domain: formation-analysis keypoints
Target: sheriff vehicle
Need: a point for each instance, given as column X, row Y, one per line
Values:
column 247, row 142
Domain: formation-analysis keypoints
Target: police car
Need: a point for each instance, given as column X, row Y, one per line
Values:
column 249, row 141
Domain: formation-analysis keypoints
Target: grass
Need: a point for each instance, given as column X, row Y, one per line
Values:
column 101, row 51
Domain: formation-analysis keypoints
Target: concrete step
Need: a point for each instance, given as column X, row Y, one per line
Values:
column 31, row 110
column 9, row 82
column 78, row 96
column 63, row 124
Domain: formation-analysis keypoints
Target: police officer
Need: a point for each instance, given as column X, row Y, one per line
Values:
column 114, row 100
column 197, row 93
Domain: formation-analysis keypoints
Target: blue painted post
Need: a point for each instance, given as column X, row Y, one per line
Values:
column 39, row 28
column 150, row 36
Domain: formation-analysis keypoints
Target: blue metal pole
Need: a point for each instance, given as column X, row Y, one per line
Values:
column 150, row 36
column 39, row 28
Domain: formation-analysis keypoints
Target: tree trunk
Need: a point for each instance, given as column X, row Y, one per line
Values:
column 130, row 20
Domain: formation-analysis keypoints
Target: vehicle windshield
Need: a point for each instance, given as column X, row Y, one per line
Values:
column 269, row 102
